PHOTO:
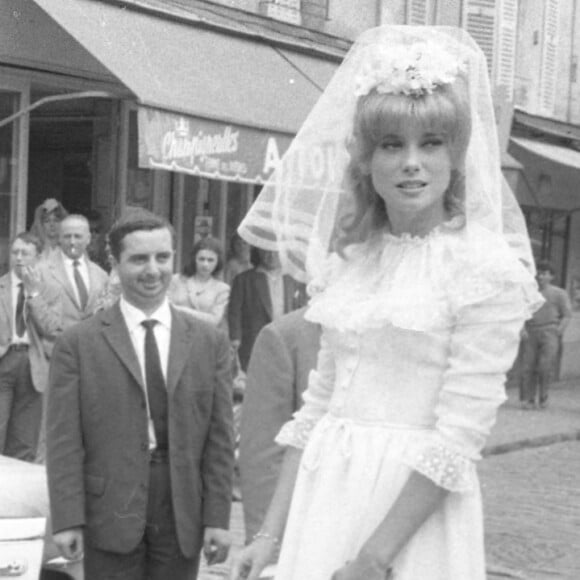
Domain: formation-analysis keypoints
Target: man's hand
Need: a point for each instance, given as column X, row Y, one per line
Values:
column 216, row 545
column 30, row 277
column 70, row 543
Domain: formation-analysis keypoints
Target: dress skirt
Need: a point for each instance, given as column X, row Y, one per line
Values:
column 350, row 475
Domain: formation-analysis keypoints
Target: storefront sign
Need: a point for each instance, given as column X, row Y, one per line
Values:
column 207, row 148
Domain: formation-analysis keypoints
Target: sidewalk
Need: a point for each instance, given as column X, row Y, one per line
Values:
column 519, row 429
column 515, row 430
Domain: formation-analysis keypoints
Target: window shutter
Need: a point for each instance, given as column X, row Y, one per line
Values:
column 418, row 12
column 506, row 47
column 285, row 10
column 479, row 20
column 549, row 58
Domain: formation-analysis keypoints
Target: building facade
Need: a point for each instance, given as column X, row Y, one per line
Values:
column 184, row 106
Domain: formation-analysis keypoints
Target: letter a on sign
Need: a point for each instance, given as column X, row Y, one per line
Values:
column 272, row 157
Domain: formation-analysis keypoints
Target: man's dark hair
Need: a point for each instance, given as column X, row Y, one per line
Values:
column 135, row 220
column 29, row 238
column 545, row 266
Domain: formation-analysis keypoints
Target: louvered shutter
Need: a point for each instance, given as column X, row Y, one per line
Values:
column 479, row 20
column 418, row 12
column 504, row 68
column 285, row 10
column 548, row 66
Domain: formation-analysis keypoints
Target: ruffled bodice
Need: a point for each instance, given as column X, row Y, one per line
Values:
column 418, row 283
column 418, row 334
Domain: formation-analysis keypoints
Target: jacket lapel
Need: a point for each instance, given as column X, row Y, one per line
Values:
column 117, row 335
column 93, row 285
column 6, row 298
column 264, row 293
column 58, row 271
column 179, row 350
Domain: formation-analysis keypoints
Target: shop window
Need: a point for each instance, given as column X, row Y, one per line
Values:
column 549, row 234
column 9, row 155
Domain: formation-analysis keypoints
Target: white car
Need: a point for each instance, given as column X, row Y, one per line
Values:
column 24, row 506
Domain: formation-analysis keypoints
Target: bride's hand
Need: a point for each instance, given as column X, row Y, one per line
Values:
column 362, row 567
column 249, row 562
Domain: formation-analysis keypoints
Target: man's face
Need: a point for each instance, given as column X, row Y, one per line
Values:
column 22, row 256
column 74, row 237
column 544, row 277
column 145, row 267
column 269, row 260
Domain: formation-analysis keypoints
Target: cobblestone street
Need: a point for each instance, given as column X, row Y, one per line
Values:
column 532, row 511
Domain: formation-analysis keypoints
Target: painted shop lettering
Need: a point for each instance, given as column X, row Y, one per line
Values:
column 178, row 146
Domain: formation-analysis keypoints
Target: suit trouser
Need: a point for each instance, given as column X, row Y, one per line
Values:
column 538, row 360
column 20, row 407
column 158, row 555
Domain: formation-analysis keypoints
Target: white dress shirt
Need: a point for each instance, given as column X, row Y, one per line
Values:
column 83, row 269
column 24, row 339
column 133, row 319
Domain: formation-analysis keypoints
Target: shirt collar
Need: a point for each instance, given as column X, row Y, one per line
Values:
column 134, row 317
column 15, row 280
column 70, row 261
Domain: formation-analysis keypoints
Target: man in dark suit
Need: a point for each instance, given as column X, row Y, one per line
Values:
column 259, row 296
column 30, row 319
column 140, row 450
column 80, row 280
column 284, row 354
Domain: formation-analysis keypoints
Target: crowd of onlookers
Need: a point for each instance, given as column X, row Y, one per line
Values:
column 60, row 274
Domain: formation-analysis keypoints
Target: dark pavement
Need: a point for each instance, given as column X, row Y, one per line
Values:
column 530, row 479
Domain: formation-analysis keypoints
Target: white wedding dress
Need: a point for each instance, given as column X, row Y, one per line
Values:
column 418, row 335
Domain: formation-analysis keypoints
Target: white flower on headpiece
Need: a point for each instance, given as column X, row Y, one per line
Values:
column 410, row 70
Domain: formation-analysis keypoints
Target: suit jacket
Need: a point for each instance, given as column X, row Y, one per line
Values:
column 250, row 307
column 43, row 316
column 284, row 354
column 97, row 441
column 54, row 271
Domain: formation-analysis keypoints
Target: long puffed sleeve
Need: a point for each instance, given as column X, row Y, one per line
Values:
column 316, row 399
column 482, row 348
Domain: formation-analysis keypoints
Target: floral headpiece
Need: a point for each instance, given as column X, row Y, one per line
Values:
column 411, row 70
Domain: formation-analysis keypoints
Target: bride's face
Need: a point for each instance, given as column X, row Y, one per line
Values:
column 411, row 170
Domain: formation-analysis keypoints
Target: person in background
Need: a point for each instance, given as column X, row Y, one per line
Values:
column 140, row 453
column 198, row 288
column 47, row 218
column 96, row 250
column 417, row 265
column 284, row 354
column 542, row 339
column 238, row 259
column 259, row 296
column 30, row 319
column 80, row 280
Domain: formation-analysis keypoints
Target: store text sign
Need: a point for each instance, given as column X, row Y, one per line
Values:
column 207, row 148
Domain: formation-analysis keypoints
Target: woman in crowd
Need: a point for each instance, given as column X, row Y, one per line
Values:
column 198, row 289
column 46, row 224
column 239, row 259
column 421, row 277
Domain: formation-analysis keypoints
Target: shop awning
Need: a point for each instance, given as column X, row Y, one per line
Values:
column 550, row 175
column 185, row 69
column 561, row 155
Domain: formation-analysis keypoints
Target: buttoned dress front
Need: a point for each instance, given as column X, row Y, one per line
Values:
column 418, row 334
